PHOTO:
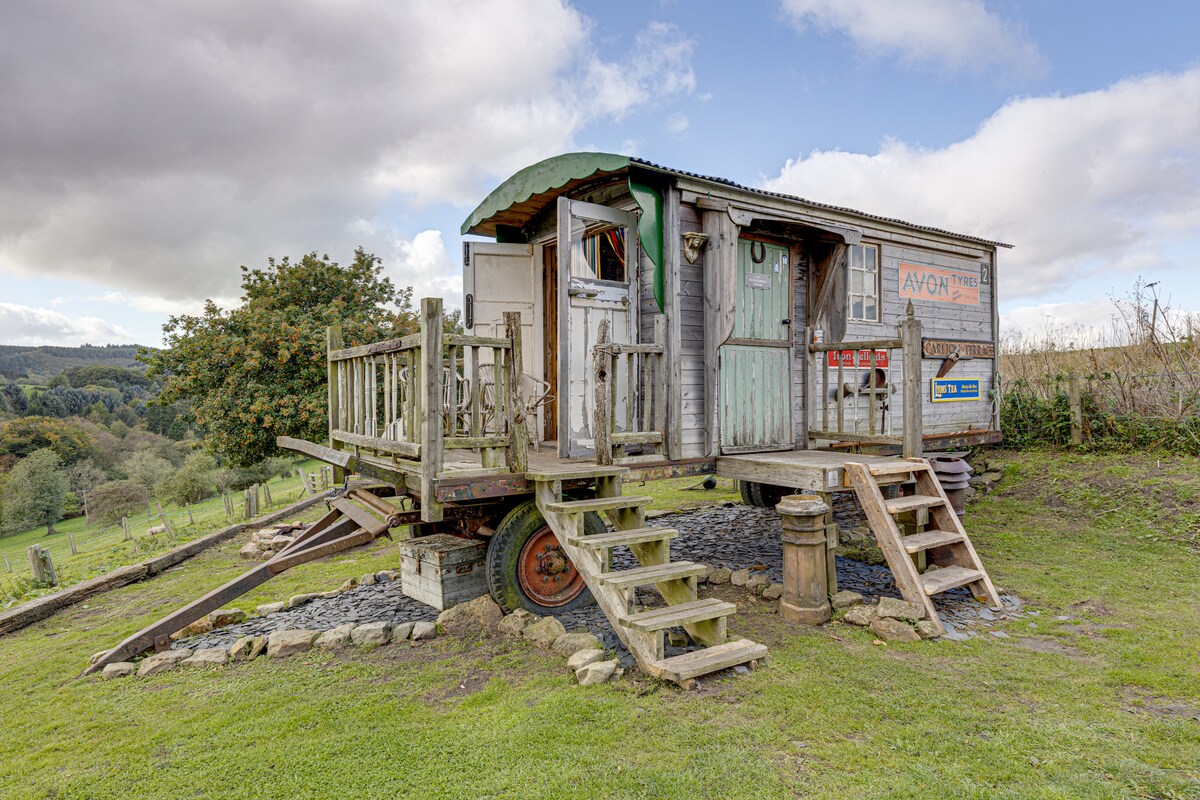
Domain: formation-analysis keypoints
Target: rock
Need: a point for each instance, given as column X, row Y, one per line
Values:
column 97, row 656
column 389, row 575
column 209, row 657
column 719, row 576
column 480, row 615
column 891, row 608
column 739, row 577
column 999, row 634
column 402, row 631
column 926, row 629
column 121, row 669
column 569, row 644
column 241, row 649
column 286, row 643
column 270, row 608
column 277, row 543
column 596, row 672
column 515, row 623
column 424, row 631
column 584, row 657
column 758, row 582
column 371, row 634
column 250, row 551
column 196, row 628
column 301, row 599
column 335, row 637
column 860, row 615
column 773, row 592
column 847, row 599
column 368, row 579
column 257, row 647
column 351, row 583
column 226, row 616
column 162, row 662
column 893, row 630
column 544, row 632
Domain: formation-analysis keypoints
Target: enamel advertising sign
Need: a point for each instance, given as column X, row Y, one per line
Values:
column 938, row 285
column 862, row 358
column 948, row 390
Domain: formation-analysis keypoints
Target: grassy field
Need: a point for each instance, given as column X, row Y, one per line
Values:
column 103, row 548
column 1102, row 704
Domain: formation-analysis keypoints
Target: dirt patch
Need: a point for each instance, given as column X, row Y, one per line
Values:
column 1093, row 607
column 1044, row 645
column 472, row 683
column 1137, row 700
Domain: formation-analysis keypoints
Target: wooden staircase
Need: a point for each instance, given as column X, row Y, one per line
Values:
column 944, row 542
column 615, row 590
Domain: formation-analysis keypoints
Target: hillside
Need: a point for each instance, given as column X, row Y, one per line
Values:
column 44, row 362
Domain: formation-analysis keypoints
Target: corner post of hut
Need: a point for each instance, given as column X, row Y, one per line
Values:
column 805, row 566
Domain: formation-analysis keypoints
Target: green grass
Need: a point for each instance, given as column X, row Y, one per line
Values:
column 1107, row 713
column 103, row 548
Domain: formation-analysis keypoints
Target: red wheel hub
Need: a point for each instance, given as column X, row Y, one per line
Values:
column 546, row 575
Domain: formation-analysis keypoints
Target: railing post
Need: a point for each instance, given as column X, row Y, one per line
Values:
column 660, row 382
column 333, row 341
column 431, row 396
column 601, row 413
column 910, row 338
column 518, row 442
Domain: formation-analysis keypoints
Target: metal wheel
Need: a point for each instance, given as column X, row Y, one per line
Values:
column 545, row 573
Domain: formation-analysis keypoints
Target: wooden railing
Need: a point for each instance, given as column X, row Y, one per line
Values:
column 643, row 367
column 854, row 394
column 411, row 399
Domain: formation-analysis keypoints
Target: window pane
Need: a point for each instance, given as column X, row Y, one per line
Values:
column 869, row 258
column 856, row 281
column 856, row 308
column 871, row 310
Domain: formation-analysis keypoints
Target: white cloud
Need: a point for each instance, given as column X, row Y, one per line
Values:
column 424, row 264
column 677, row 123
column 267, row 129
column 951, row 34
column 1101, row 182
column 25, row 325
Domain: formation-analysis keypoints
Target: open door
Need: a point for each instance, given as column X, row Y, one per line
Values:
column 499, row 278
column 597, row 280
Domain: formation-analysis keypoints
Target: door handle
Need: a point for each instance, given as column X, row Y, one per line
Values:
column 785, row 321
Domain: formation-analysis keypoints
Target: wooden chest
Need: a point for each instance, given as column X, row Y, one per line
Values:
column 443, row 570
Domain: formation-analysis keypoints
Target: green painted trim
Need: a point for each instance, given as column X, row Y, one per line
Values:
column 650, row 230
column 542, row 177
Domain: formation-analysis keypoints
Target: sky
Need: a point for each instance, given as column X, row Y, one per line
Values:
column 148, row 148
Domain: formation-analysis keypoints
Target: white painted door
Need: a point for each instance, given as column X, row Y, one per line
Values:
column 499, row 278
column 594, row 285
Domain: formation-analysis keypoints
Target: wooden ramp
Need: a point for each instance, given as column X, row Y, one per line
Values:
column 614, row 590
column 944, row 541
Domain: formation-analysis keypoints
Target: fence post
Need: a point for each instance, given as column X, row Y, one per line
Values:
column 42, row 566
column 601, row 414
column 267, row 496
column 71, row 544
column 125, row 528
column 7, row 563
column 333, row 341
column 431, row 398
column 191, row 519
column 518, row 429
column 1076, row 402
column 910, row 337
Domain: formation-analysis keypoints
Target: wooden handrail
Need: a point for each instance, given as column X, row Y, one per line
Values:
column 645, row 377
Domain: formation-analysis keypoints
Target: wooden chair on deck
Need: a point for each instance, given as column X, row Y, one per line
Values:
column 535, row 393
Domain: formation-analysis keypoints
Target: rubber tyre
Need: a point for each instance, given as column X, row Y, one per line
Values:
column 746, row 488
column 521, row 524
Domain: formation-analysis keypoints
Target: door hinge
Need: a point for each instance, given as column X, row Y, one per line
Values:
column 466, row 254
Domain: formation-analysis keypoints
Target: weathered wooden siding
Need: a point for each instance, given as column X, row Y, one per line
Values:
column 800, row 267
column 939, row 320
column 691, row 307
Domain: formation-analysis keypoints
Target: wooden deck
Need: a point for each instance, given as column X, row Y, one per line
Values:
column 805, row 470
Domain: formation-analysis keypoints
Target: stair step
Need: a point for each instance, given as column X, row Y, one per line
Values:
column 898, row 505
column 658, row 619
column 603, row 541
column 946, row 578
column 598, row 504
column 896, row 468
column 927, row 540
column 655, row 573
column 575, row 472
column 701, row 662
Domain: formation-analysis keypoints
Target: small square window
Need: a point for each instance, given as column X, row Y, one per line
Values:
column 863, row 297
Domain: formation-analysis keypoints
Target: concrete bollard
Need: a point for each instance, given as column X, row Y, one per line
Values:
column 805, row 565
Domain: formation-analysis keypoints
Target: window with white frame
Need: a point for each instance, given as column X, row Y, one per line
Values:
column 863, row 301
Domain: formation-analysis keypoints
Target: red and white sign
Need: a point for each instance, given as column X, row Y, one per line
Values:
column 919, row 282
column 863, row 358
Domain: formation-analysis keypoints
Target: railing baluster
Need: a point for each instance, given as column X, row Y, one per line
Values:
column 476, row 393
column 630, row 388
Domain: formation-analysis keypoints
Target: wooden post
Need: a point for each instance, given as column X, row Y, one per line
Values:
column 518, row 428
column 333, row 341
column 430, row 396
column 601, row 413
column 1076, row 401
column 267, row 496
column 7, row 563
column 910, row 336
column 191, row 519
column 125, row 528
column 41, row 565
column 661, row 388
column 163, row 518
column 805, row 573
column 71, row 544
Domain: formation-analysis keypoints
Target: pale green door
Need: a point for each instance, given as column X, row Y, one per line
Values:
column 756, row 385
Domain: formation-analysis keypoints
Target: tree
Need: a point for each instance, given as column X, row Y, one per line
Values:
column 85, row 476
column 110, row 501
column 12, row 398
column 36, row 492
column 68, row 440
column 190, row 483
column 258, row 371
column 146, row 468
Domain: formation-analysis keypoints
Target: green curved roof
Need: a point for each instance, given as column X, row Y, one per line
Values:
column 540, row 178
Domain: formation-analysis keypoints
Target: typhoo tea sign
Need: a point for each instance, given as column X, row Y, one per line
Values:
column 939, row 285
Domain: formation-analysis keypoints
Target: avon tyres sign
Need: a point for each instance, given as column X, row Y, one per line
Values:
column 939, row 285
column 947, row 390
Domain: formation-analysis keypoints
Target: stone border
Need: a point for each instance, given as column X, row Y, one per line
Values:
column 38, row 609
